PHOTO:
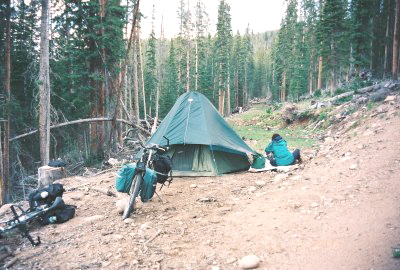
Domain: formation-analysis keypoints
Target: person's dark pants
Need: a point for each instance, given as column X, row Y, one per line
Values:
column 295, row 153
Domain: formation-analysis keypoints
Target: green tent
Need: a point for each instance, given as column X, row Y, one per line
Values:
column 202, row 142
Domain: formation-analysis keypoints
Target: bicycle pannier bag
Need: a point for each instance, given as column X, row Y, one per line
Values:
column 123, row 180
column 163, row 166
column 148, row 185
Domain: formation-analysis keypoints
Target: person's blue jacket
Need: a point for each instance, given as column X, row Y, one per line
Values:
column 282, row 155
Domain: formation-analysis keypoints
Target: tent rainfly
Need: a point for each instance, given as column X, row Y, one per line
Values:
column 201, row 142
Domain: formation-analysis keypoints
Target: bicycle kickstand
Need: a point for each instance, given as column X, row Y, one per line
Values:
column 159, row 198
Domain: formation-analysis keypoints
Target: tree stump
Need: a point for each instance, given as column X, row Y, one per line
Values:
column 47, row 175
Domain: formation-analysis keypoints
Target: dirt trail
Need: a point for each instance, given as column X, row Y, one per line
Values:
column 339, row 211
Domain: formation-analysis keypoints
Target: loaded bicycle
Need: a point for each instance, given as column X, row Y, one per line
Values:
column 21, row 218
column 153, row 167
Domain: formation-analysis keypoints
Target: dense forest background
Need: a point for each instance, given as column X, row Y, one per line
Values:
column 99, row 68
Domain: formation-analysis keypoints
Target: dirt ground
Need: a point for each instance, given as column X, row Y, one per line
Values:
column 338, row 210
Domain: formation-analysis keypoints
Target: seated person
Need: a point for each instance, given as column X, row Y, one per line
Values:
column 282, row 156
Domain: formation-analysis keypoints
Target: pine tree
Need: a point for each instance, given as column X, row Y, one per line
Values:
column 223, row 48
column 169, row 94
column 150, row 76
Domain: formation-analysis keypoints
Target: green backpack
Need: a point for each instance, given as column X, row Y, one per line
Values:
column 258, row 161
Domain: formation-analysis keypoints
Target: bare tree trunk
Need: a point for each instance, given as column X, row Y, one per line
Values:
column 117, row 88
column 142, row 78
column 237, row 88
column 5, row 169
column 135, row 80
column 188, row 50
column 245, row 86
column 44, row 87
column 386, row 47
column 2, row 190
column 283, row 97
column 228, row 97
column 310, row 79
column 396, row 41
column 159, row 77
column 319, row 84
column 197, row 67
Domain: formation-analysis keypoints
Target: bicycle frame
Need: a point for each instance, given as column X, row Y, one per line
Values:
column 141, row 165
column 20, row 221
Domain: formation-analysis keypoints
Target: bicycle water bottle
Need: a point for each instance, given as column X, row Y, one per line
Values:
column 52, row 219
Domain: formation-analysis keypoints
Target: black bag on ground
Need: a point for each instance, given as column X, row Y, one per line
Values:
column 59, row 215
column 45, row 195
column 163, row 166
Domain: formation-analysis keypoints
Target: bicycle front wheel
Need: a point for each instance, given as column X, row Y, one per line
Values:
column 134, row 192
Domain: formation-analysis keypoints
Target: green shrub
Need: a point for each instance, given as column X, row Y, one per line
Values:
column 317, row 93
column 322, row 116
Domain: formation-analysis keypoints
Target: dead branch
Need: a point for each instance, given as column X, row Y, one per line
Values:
column 10, row 263
column 104, row 191
column 341, row 96
column 153, row 237
column 81, row 121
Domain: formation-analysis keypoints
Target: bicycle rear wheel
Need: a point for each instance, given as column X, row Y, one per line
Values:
column 134, row 192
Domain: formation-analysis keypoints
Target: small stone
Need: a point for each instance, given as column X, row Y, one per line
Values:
column 304, row 188
column 252, row 189
column 260, row 183
column 193, row 186
column 118, row 237
column 314, row 205
column 390, row 98
column 120, row 204
column 129, row 220
column 297, row 177
column 249, row 262
column 280, row 177
column 94, row 218
column 231, row 260
column 77, row 196
column 353, row 167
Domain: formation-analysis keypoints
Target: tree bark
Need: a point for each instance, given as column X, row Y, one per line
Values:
column 135, row 80
column 283, row 92
column 237, row 88
column 396, row 41
column 2, row 190
column 5, row 187
column 228, row 96
column 188, row 50
column 386, row 47
column 44, row 87
column 117, row 88
column 319, row 84
column 197, row 67
column 142, row 77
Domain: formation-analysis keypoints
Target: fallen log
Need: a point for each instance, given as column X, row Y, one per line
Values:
column 346, row 94
column 82, row 121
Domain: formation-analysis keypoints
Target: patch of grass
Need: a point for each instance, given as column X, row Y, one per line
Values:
column 296, row 138
column 322, row 116
column 344, row 99
column 371, row 105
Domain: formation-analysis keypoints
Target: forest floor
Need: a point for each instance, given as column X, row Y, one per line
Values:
column 338, row 210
